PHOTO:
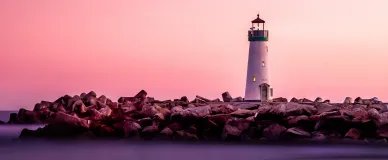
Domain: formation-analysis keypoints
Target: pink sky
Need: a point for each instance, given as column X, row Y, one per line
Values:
column 171, row 48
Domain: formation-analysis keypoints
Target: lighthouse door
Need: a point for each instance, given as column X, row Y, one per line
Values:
column 264, row 92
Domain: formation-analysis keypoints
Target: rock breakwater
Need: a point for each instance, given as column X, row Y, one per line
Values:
column 88, row 116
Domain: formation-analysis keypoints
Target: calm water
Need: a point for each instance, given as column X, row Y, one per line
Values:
column 115, row 150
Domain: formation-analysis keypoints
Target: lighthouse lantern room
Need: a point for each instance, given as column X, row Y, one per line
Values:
column 258, row 86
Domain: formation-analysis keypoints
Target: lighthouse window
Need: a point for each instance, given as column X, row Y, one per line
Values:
column 262, row 63
column 266, row 48
column 254, row 79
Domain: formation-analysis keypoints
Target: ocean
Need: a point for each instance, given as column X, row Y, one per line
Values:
column 12, row 148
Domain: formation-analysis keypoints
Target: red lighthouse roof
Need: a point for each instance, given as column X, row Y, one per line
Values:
column 258, row 20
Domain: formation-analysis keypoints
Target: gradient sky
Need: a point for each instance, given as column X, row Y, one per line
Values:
column 171, row 48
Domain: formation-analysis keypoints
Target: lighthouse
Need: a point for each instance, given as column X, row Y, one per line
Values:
column 258, row 86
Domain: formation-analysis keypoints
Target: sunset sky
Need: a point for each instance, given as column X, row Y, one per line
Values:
column 172, row 48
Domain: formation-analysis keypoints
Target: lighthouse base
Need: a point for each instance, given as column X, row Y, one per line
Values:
column 262, row 93
column 252, row 100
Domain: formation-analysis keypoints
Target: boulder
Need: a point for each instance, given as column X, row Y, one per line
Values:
column 58, row 106
column 131, row 129
column 318, row 137
column 219, row 119
column 150, row 99
column 263, row 112
column 163, row 110
column 148, row 110
column 296, row 109
column 243, row 113
column 141, row 95
column 13, row 119
column 92, row 94
column 184, row 99
column 113, row 105
column 197, row 112
column 192, row 129
column 149, row 132
column 324, row 107
column 374, row 114
column 249, row 106
column 70, row 102
column 280, row 99
column 27, row 117
column 101, row 105
column 335, row 122
column 64, row 126
column 144, row 122
column 367, row 102
column 202, row 98
column 273, row 132
column 60, row 118
column 166, row 134
column 294, row 100
column 375, row 100
column 358, row 100
column 381, row 108
column 42, row 105
column 105, row 131
column 326, row 101
column 198, row 100
column 305, row 100
column 125, row 99
column 226, row 97
column 216, row 100
column 238, row 99
column 224, row 109
column 90, row 98
column 176, row 109
column 318, row 100
column 93, row 114
column 296, row 132
column 66, row 99
column 29, row 134
column 191, row 105
column 278, row 110
column 82, row 95
column 128, row 107
column 183, row 135
column 105, row 111
column 348, row 100
column 233, row 128
column 175, row 126
column 78, row 107
column 294, row 120
column 102, row 99
column 353, row 133
column 358, row 115
column 158, row 117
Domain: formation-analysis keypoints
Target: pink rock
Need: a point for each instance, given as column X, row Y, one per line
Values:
column 353, row 133
column 274, row 131
column 226, row 97
column 142, row 94
column 280, row 99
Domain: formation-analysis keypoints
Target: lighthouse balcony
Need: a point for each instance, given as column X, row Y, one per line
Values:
column 258, row 35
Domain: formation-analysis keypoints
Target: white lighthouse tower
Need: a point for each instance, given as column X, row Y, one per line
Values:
column 258, row 86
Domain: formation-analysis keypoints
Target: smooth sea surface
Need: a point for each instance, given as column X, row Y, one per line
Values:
column 13, row 149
